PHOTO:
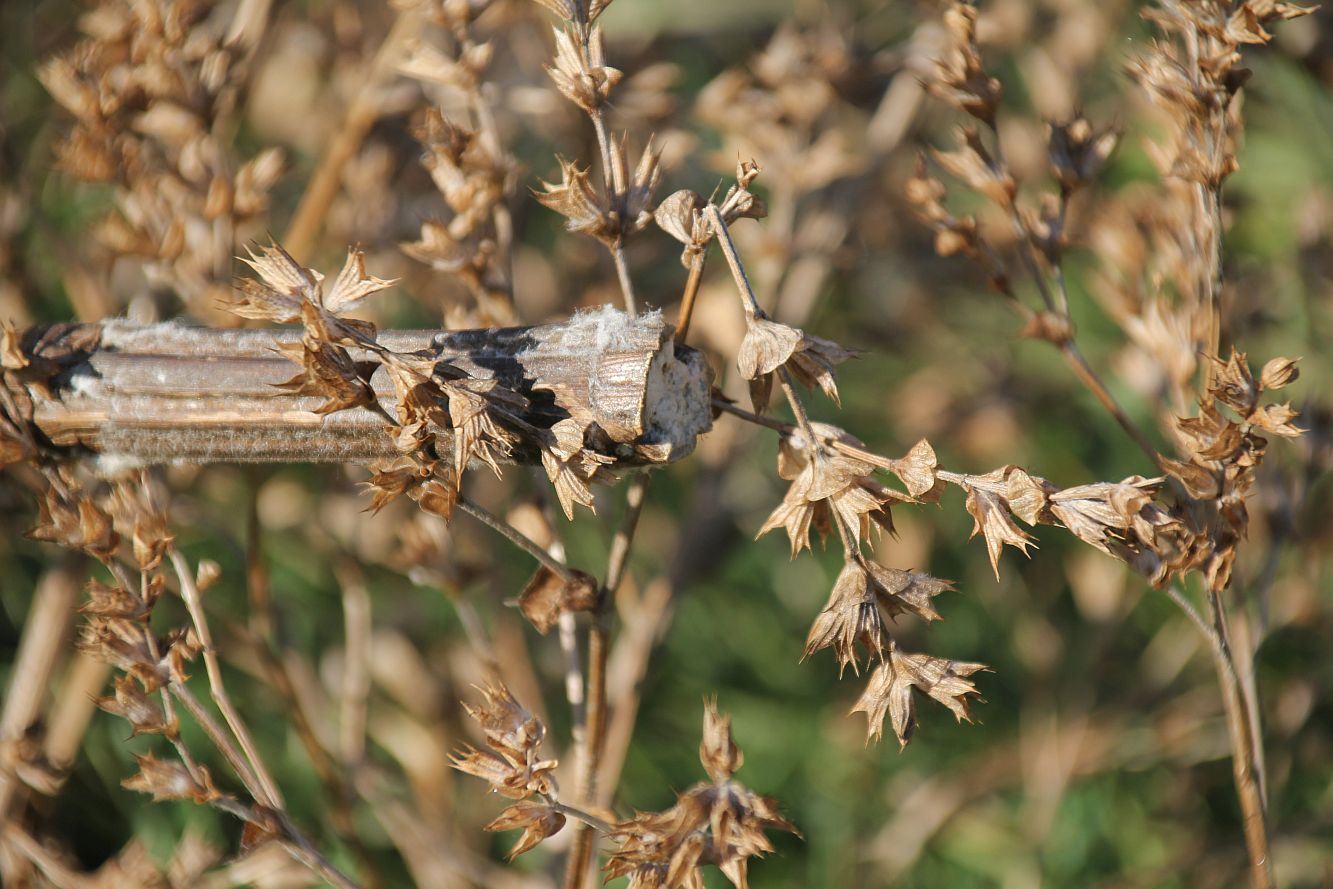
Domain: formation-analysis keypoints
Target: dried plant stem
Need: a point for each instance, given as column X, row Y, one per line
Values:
column 365, row 109
column 690, row 294
column 1057, row 302
column 733, row 259
column 611, row 175
column 1088, row 377
column 40, row 648
column 1060, row 307
column 293, row 840
column 516, row 537
column 603, row 137
column 644, row 628
column 1245, row 765
column 1178, row 596
column 1057, row 267
column 336, row 780
column 300, row 849
column 582, row 851
column 587, row 818
column 169, row 393
column 611, row 181
column 1239, row 696
column 767, row 422
column 73, row 708
column 269, row 794
column 219, row 738
column 582, row 848
column 623, row 276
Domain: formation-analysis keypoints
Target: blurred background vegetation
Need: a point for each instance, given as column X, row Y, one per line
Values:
column 1100, row 756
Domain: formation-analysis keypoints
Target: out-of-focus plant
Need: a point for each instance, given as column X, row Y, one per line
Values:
column 152, row 95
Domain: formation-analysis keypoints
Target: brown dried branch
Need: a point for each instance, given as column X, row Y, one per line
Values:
column 176, row 394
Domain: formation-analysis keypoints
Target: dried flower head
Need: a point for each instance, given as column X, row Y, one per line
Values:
column 515, row 768
column 828, row 486
column 580, row 71
column 960, row 78
column 769, row 346
column 889, row 691
column 721, row 824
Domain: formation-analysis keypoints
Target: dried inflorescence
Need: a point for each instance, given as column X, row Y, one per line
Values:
column 833, row 488
column 1162, row 281
column 1162, row 537
column 514, row 766
column 612, row 216
column 722, row 823
column 475, row 176
column 151, row 90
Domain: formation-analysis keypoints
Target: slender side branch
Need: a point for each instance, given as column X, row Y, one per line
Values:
column 270, row 795
column 729, row 251
column 690, row 294
column 1088, row 377
column 518, row 538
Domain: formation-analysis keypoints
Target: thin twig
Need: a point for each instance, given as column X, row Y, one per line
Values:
column 1088, row 377
column 733, row 260
column 269, row 793
column 588, row 819
column 1178, row 596
column 582, row 851
column 516, row 537
column 750, row 417
column 690, row 294
column 623, row 276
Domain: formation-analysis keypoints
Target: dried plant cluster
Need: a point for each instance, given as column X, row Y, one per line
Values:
column 152, row 97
